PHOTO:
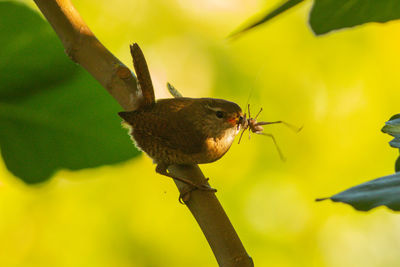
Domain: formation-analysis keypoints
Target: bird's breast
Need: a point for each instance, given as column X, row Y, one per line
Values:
column 217, row 147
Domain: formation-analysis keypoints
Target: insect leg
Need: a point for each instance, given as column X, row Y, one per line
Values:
column 240, row 138
column 258, row 114
column 290, row 126
column 268, row 122
column 276, row 145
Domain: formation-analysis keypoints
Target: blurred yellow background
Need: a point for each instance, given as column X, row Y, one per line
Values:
column 342, row 87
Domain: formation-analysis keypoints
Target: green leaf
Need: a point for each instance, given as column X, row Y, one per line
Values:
column 383, row 191
column 29, row 49
column 53, row 115
column 392, row 127
column 328, row 15
column 270, row 15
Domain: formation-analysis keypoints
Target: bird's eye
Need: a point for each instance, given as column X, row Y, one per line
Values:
column 219, row 114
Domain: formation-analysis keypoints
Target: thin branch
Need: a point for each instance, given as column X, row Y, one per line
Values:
column 83, row 47
column 212, row 219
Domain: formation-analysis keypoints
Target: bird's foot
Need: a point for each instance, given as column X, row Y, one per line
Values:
column 186, row 192
column 206, row 187
column 190, row 186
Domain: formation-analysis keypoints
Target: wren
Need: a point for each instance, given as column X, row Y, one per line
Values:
column 180, row 130
column 184, row 131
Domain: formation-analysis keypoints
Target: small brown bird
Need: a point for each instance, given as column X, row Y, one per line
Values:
column 180, row 130
column 184, row 131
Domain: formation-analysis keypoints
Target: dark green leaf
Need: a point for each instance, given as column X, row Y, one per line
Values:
column 392, row 127
column 29, row 49
column 397, row 116
column 257, row 21
column 53, row 115
column 328, row 15
column 383, row 191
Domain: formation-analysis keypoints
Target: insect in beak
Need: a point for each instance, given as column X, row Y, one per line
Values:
column 255, row 127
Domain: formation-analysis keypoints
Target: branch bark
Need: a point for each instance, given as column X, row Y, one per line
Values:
column 83, row 47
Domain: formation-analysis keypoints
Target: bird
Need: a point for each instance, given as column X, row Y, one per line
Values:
column 179, row 130
column 184, row 131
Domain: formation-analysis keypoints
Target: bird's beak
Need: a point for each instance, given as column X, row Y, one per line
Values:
column 237, row 120
column 240, row 120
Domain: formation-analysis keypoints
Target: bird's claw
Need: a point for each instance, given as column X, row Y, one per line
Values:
column 206, row 187
column 185, row 195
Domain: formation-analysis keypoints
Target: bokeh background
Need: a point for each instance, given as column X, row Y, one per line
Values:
column 341, row 87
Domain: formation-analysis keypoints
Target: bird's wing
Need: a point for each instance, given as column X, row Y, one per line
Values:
column 179, row 135
column 174, row 132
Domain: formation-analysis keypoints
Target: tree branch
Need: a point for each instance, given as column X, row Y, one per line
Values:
column 212, row 219
column 84, row 48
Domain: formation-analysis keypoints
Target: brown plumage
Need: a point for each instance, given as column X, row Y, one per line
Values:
column 180, row 130
column 185, row 130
